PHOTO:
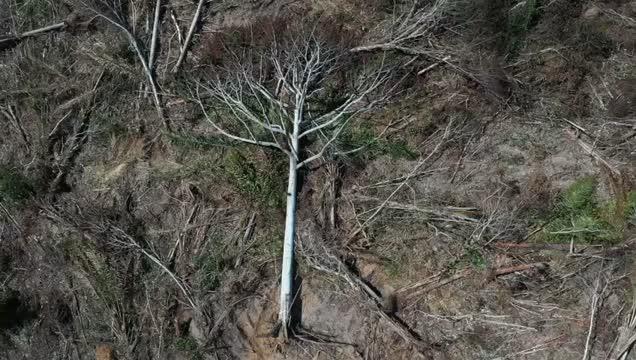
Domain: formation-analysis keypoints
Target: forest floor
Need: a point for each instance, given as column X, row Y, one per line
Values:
column 491, row 213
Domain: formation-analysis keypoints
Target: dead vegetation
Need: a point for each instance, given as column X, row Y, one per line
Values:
column 486, row 210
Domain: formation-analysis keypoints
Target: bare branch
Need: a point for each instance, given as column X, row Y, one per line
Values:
column 403, row 183
column 232, row 136
column 276, row 92
column 409, row 26
column 117, row 21
column 186, row 43
column 42, row 30
column 128, row 241
column 333, row 138
column 155, row 32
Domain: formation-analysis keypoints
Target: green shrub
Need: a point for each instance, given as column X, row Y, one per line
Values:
column 475, row 257
column 579, row 216
column 580, row 196
column 472, row 256
column 186, row 344
column 398, row 149
column 14, row 187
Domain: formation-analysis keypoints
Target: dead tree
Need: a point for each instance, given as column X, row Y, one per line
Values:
column 184, row 49
column 114, row 12
column 411, row 32
column 12, row 40
column 274, row 100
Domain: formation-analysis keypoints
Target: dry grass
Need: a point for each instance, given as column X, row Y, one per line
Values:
column 169, row 246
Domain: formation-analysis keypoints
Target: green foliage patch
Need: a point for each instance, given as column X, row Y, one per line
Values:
column 372, row 147
column 210, row 268
column 14, row 187
column 472, row 256
column 36, row 13
column 579, row 216
column 521, row 18
column 260, row 183
column 189, row 344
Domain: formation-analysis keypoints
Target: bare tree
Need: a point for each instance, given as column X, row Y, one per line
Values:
column 184, row 49
column 115, row 12
column 276, row 100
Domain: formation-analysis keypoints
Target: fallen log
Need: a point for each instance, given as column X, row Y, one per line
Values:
column 494, row 273
column 12, row 40
column 74, row 22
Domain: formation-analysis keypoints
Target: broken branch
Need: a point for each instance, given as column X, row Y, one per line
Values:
column 512, row 269
column 186, row 43
column 12, row 39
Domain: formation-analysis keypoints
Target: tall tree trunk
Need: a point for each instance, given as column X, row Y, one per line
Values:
column 288, row 247
column 286, row 297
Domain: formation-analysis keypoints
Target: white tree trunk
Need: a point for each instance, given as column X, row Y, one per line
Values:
column 286, row 296
column 288, row 246
column 186, row 43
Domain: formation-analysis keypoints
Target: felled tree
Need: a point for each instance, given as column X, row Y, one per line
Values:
column 284, row 98
column 115, row 12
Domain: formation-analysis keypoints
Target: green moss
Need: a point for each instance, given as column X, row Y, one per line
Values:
column 475, row 258
column 579, row 216
column 14, row 187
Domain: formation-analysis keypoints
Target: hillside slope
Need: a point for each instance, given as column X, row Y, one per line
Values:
column 484, row 207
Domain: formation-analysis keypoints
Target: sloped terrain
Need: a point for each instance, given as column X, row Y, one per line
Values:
column 485, row 209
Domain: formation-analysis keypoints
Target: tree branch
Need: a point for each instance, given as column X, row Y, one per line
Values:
column 186, row 43
column 235, row 137
column 155, row 32
column 147, row 70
